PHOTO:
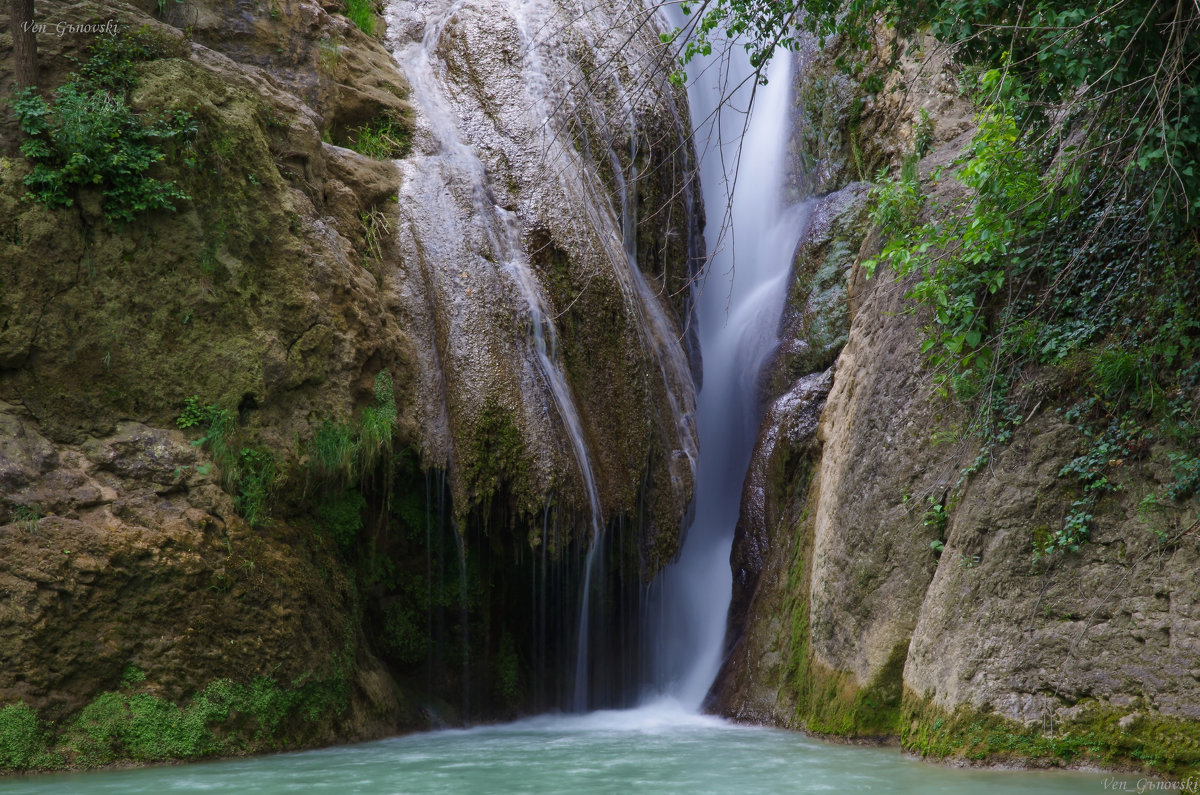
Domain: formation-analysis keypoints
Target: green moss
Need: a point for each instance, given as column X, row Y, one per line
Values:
column 225, row 718
column 497, row 458
column 508, row 672
column 24, row 740
column 829, row 701
column 602, row 352
column 836, row 705
column 341, row 516
column 210, row 279
column 1152, row 742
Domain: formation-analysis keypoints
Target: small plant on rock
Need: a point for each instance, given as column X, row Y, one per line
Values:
column 89, row 137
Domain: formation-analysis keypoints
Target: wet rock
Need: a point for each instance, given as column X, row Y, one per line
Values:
column 816, row 317
column 512, row 230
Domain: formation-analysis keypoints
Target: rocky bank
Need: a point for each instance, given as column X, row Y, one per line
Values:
column 276, row 468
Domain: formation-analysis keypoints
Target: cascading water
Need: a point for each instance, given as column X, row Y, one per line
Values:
column 456, row 216
column 472, row 203
column 738, row 311
column 456, row 168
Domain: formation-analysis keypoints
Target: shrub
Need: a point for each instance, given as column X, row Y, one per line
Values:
column 250, row 474
column 341, row 517
column 256, row 477
column 88, row 137
column 22, row 739
column 114, row 59
column 382, row 138
column 403, row 636
column 91, row 139
column 348, row 452
column 137, row 725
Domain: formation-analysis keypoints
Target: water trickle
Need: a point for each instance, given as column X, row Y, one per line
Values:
column 738, row 311
column 464, row 619
column 455, row 168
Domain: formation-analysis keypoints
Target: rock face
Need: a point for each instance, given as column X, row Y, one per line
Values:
column 877, row 594
column 133, row 558
column 498, row 288
column 122, row 550
column 539, row 302
column 549, row 228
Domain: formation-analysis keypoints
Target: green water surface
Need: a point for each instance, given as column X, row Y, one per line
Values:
column 658, row 749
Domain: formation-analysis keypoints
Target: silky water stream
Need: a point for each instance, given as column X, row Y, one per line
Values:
column 665, row 745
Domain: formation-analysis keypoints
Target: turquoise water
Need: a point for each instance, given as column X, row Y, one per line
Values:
column 658, row 749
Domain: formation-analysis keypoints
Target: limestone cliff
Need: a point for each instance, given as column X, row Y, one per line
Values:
column 276, row 467
column 887, row 588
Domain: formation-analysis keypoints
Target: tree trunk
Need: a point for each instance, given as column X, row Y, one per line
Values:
column 24, row 42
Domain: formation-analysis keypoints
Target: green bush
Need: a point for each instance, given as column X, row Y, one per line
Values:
column 341, row 515
column 23, row 740
column 1125, row 73
column 113, row 59
column 382, row 138
column 343, row 453
column 1186, row 470
column 91, row 139
column 225, row 717
column 248, row 473
column 256, row 477
column 404, row 636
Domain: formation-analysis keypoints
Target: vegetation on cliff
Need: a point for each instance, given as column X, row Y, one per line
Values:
column 1049, row 263
column 88, row 137
column 1074, row 245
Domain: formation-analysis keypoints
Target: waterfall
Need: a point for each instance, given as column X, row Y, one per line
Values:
column 499, row 183
column 436, row 182
column 752, row 237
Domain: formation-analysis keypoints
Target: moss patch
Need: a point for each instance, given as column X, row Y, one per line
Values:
column 828, row 701
column 1150, row 742
column 225, row 718
column 498, row 461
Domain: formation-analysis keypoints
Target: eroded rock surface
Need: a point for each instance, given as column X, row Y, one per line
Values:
column 505, row 282
column 544, row 305
column 884, row 586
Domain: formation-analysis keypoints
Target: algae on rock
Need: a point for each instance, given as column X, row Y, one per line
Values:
column 252, row 296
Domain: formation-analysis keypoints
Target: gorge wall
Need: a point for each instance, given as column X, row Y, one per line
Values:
column 890, row 581
column 306, row 439
column 296, row 462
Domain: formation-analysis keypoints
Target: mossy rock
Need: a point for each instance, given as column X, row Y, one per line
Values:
column 1096, row 734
